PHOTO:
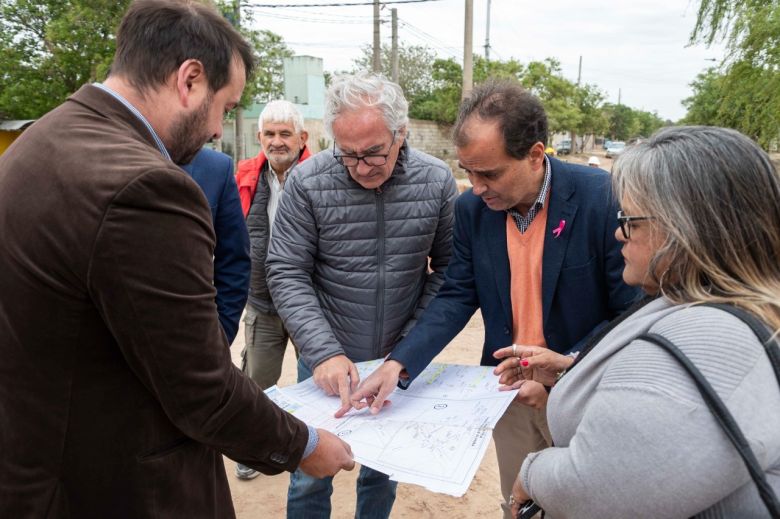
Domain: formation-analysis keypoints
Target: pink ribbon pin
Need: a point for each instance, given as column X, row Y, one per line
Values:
column 558, row 230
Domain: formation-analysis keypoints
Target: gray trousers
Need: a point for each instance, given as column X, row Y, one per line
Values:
column 266, row 340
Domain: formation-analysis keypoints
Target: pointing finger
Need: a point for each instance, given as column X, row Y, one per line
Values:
column 343, row 381
column 354, row 377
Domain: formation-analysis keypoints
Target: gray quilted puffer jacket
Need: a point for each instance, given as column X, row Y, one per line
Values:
column 347, row 266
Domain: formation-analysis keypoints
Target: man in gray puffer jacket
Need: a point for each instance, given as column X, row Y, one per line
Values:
column 348, row 263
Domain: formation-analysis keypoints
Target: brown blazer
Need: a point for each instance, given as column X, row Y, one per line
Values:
column 118, row 396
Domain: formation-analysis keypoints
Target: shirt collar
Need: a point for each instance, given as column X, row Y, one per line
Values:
column 523, row 221
column 542, row 198
column 271, row 172
column 139, row 116
column 545, row 189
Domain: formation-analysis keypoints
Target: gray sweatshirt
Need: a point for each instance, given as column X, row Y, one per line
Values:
column 633, row 437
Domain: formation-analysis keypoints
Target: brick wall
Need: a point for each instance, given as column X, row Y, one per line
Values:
column 434, row 139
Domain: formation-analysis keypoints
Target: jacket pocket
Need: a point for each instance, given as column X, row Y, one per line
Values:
column 579, row 270
column 183, row 478
column 164, row 450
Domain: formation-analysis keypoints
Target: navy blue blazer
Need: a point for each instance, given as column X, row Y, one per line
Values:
column 213, row 171
column 582, row 272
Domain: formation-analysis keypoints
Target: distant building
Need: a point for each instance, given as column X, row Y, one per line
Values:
column 10, row 130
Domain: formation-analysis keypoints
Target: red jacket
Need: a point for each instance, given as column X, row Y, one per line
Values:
column 248, row 173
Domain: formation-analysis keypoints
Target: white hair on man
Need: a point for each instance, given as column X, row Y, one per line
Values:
column 281, row 111
column 350, row 92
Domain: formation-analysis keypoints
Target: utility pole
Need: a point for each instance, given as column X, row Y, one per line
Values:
column 618, row 97
column 487, row 33
column 239, row 121
column 468, row 72
column 574, row 146
column 394, row 45
column 579, row 72
column 377, row 66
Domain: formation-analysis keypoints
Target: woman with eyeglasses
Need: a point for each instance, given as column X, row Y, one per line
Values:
column 633, row 437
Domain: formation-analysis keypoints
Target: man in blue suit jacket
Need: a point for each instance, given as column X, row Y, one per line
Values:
column 560, row 284
column 213, row 171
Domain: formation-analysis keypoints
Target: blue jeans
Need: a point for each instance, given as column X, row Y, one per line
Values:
column 309, row 498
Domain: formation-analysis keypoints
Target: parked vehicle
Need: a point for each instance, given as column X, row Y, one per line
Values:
column 564, row 148
column 607, row 142
column 615, row 148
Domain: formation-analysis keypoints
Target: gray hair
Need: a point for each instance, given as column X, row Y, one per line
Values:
column 281, row 111
column 351, row 92
column 716, row 196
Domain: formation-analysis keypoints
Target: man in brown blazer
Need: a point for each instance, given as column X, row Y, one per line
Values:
column 118, row 396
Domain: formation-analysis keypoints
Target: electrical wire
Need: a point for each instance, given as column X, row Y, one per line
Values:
column 309, row 19
column 342, row 4
column 431, row 40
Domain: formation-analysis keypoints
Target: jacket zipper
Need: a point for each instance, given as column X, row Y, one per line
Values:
column 380, row 300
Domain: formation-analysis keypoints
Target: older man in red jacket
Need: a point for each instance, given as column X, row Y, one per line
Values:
column 260, row 183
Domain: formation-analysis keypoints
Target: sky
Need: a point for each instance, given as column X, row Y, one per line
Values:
column 637, row 50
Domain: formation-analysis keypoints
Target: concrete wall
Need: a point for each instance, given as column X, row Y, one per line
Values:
column 434, row 139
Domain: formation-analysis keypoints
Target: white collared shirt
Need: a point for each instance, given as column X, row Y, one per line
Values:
column 157, row 140
column 273, row 199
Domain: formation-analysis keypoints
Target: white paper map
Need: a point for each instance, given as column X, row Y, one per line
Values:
column 434, row 434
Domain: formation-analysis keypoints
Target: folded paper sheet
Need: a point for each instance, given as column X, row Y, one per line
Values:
column 434, row 433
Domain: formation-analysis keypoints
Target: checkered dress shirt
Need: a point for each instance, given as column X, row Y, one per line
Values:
column 523, row 222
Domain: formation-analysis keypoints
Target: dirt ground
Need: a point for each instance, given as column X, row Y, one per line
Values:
column 265, row 497
column 582, row 158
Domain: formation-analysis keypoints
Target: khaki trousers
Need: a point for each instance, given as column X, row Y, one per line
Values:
column 266, row 340
column 521, row 431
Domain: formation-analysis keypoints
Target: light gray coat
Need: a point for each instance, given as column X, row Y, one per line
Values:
column 634, row 438
column 348, row 267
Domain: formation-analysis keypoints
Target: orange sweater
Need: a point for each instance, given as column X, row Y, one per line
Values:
column 525, row 268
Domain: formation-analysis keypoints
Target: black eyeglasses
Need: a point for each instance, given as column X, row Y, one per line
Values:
column 624, row 222
column 372, row 159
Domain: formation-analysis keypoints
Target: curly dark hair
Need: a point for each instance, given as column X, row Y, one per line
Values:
column 520, row 115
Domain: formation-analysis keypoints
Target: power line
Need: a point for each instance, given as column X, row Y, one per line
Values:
column 309, row 19
column 327, row 44
column 431, row 40
column 343, row 4
column 324, row 15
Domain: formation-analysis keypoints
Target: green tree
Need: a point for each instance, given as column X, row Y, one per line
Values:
column 415, row 67
column 746, row 93
column 557, row 93
column 49, row 49
column 589, row 101
column 703, row 106
column 647, row 123
column 442, row 102
column 622, row 123
column 270, row 50
column 486, row 69
column 751, row 28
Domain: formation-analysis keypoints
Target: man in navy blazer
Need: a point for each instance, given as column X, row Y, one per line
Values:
column 213, row 171
column 533, row 248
